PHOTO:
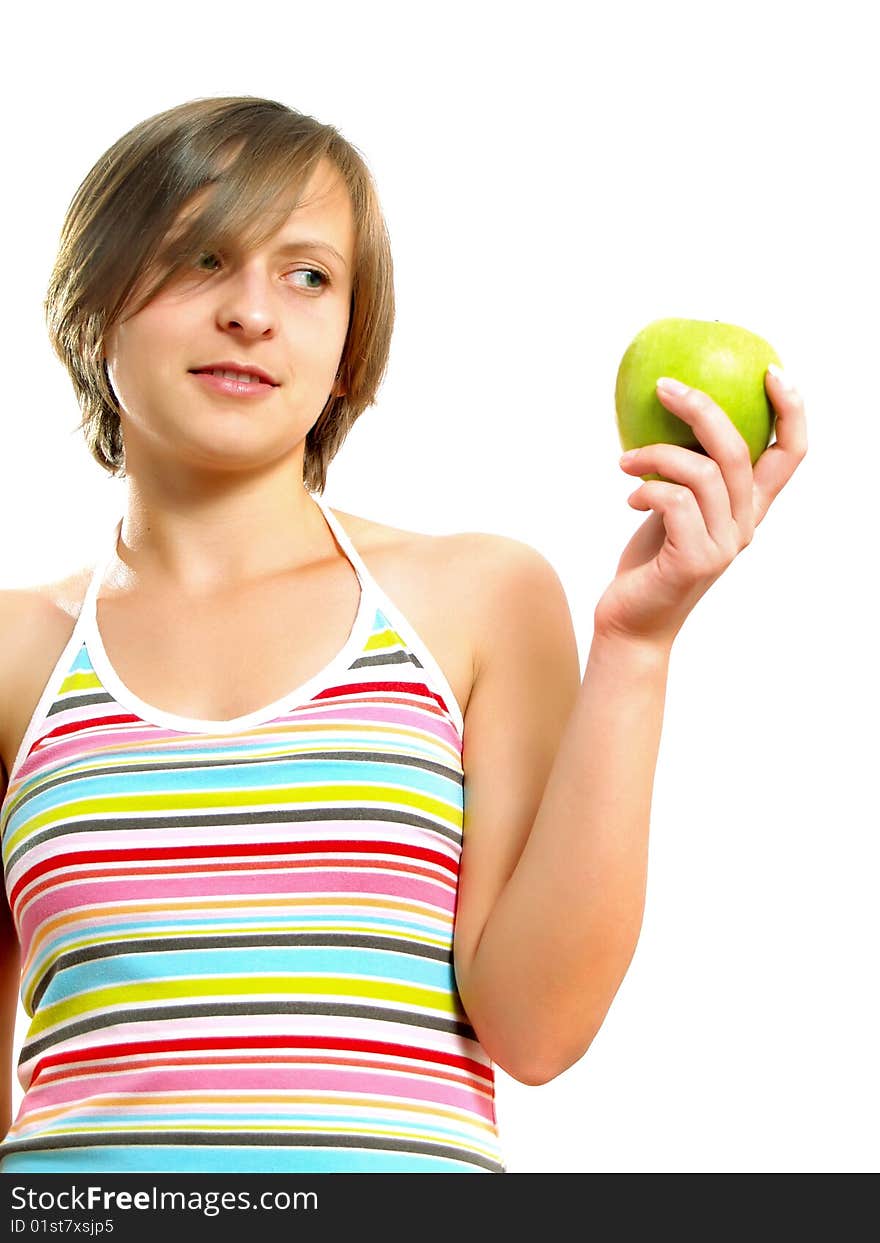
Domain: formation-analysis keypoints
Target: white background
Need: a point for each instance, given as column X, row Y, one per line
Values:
column 554, row 177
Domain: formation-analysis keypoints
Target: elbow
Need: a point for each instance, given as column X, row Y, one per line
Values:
column 537, row 1075
column 517, row 1054
column 523, row 1064
column 538, row 1071
column 532, row 1077
column 544, row 1037
column 535, row 1058
column 536, row 1078
column 551, row 1069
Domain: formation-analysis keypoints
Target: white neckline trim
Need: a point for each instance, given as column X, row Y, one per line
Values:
column 358, row 635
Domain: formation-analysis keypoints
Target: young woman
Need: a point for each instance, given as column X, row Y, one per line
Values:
column 263, row 929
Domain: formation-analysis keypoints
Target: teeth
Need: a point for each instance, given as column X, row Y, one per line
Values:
column 243, row 376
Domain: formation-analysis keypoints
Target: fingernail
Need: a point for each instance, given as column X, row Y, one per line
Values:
column 780, row 375
column 672, row 386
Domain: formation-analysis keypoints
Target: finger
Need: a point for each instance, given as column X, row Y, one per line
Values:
column 722, row 440
column 686, row 531
column 778, row 462
column 699, row 473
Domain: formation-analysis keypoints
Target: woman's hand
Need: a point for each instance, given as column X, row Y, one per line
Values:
column 703, row 520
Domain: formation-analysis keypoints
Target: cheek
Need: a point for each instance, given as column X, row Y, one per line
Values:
column 146, row 372
column 151, row 348
column 314, row 345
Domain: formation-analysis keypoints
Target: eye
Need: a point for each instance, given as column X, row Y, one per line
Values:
column 323, row 278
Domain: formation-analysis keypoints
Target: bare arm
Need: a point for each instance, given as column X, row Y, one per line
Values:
column 561, row 935
column 21, row 611
column 10, row 968
column 555, row 854
column 558, row 783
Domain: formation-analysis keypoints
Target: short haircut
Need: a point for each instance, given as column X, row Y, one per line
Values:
column 256, row 156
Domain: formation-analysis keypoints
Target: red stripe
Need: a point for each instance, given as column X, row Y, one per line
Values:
column 329, row 846
column 74, row 727
column 84, row 874
column 410, row 688
column 234, row 851
column 345, row 689
column 388, row 1048
column 289, row 1061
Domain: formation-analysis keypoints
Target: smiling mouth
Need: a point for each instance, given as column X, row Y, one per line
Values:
column 233, row 389
column 237, row 377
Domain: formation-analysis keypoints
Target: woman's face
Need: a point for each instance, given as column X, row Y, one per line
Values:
column 283, row 311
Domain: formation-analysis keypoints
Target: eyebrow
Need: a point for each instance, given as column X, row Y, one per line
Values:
column 310, row 243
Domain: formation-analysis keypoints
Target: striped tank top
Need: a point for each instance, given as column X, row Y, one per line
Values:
column 237, row 935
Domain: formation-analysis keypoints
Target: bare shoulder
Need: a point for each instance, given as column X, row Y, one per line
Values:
column 484, row 549
column 35, row 622
column 27, row 612
column 493, row 583
column 483, row 559
column 23, row 610
column 520, row 601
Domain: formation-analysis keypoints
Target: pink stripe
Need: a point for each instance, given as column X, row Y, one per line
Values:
column 239, row 1079
column 401, row 715
column 69, row 897
column 90, row 741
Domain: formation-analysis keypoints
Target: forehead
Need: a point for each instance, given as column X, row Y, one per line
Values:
column 325, row 212
column 326, row 206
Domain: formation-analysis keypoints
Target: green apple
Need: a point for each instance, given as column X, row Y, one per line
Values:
column 723, row 360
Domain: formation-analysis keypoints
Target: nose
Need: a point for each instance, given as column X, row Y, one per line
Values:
column 247, row 304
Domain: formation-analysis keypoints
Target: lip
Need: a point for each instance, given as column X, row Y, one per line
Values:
column 245, row 368
column 232, row 388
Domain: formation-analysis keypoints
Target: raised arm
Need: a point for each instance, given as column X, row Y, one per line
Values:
column 559, row 778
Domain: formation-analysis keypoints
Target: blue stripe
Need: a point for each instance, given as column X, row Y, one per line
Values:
column 280, row 774
column 341, row 961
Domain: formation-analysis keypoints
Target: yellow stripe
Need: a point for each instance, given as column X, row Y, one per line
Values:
column 384, row 638
column 104, row 753
column 223, row 988
column 202, row 800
